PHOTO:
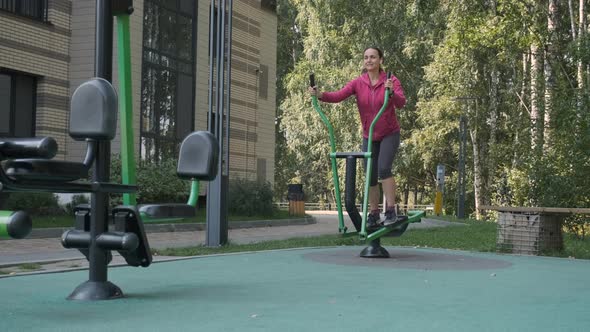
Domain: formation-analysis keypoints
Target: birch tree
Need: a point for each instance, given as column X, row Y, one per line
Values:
column 549, row 71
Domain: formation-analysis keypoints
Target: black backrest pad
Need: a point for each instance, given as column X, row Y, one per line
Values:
column 199, row 156
column 94, row 111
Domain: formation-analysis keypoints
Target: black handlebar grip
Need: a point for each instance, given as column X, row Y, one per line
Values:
column 28, row 147
column 389, row 77
column 312, row 80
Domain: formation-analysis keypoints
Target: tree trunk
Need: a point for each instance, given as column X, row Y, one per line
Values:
column 478, row 155
column 577, row 34
column 406, row 194
column 573, row 18
column 477, row 171
column 580, row 74
column 524, row 108
column 536, row 105
column 493, row 127
column 550, row 60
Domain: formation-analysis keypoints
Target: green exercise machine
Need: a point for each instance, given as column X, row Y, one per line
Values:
column 360, row 222
column 149, row 212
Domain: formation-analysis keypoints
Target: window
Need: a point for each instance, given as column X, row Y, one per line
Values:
column 17, row 105
column 168, row 78
column 36, row 9
column 263, row 84
column 261, row 170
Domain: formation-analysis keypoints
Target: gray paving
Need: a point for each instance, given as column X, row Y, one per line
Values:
column 52, row 255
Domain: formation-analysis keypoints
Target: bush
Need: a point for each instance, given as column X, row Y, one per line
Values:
column 577, row 225
column 159, row 183
column 34, row 203
column 250, row 198
column 156, row 182
column 76, row 200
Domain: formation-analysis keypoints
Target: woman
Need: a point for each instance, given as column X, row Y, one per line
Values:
column 369, row 89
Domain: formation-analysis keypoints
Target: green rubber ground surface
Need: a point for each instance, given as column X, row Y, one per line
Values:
column 324, row 289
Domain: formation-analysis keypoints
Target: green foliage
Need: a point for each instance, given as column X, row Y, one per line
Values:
column 581, row 50
column 157, row 182
column 290, row 48
column 334, row 35
column 29, row 266
column 307, row 137
column 250, row 198
column 76, row 200
column 454, row 59
column 34, row 203
column 577, row 225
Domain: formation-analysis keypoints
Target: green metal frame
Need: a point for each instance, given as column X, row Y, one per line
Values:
column 341, row 227
column 413, row 216
column 4, row 218
column 369, row 156
column 128, row 164
column 126, row 107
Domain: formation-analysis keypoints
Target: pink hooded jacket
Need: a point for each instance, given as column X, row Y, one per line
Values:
column 369, row 100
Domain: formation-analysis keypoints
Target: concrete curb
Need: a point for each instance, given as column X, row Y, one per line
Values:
column 42, row 233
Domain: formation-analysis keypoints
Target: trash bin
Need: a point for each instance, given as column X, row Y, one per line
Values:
column 296, row 199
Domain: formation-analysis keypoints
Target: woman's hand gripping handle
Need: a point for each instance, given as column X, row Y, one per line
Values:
column 313, row 89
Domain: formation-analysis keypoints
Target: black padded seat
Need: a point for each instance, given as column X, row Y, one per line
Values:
column 93, row 118
column 168, row 210
column 45, row 170
column 198, row 157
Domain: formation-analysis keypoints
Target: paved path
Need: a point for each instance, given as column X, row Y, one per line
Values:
column 48, row 251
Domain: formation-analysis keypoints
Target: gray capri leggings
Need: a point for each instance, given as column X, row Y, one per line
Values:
column 384, row 153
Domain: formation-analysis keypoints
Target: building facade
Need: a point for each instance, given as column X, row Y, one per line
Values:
column 47, row 51
column 34, row 69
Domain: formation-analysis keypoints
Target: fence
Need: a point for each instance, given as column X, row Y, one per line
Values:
column 332, row 207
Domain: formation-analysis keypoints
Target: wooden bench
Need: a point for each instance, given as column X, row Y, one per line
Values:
column 531, row 230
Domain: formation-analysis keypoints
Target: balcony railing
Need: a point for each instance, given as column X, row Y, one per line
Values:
column 35, row 9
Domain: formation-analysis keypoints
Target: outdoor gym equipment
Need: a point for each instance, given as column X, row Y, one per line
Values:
column 29, row 167
column 360, row 223
column 197, row 160
column 15, row 224
column 148, row 212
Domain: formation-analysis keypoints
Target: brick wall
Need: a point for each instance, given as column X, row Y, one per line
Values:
column 268, row 58
column 82, row 62
column 61, row 54
column 252, row 134
column 81, row 59
column 41, row 49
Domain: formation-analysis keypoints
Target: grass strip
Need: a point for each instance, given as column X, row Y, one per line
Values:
column 475, row 235
column 29, row 266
